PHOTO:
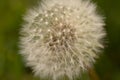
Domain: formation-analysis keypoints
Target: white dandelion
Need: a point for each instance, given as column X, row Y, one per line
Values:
column 62, row 38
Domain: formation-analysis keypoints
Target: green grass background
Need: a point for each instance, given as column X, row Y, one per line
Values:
column 13, row 68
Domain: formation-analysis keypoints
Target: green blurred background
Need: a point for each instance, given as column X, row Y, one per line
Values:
column 13, row 68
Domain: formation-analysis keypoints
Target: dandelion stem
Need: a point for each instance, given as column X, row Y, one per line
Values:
column 93, row 75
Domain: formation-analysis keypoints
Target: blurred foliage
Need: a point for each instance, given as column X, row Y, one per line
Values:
column 11, row 65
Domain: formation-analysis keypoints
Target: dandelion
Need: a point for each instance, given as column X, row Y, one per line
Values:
column 62, row 38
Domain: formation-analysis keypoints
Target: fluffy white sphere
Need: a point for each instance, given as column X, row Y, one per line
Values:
column 61, row 38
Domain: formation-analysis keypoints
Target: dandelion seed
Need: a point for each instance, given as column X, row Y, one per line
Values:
column 59, row 33
column 52, row 14
column 41, row 19
column 68, row 45
column 56, row 19
column 46, row 23
column 61, row 24
column 40, row 30
column 56, row 9
column 49, row 30
column 62, row 16
column 46, row 15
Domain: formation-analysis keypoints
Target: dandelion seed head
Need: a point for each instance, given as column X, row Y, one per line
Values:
column 62, row 40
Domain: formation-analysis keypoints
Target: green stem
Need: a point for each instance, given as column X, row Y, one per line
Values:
column 93, row 75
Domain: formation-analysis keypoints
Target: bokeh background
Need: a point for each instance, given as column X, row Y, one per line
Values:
column 12, row 66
